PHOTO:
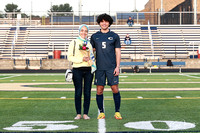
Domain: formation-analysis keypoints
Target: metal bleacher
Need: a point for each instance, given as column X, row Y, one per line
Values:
column 36, row 42
column 4, row 33
column 169, row 42
column 175, row 40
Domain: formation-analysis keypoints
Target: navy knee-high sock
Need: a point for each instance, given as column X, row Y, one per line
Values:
column 117, row 100
column 99, row 99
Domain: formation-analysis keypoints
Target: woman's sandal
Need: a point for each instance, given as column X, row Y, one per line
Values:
column 77, row 117
column 86, row 117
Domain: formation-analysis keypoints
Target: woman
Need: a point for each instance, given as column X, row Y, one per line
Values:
column 80, row 53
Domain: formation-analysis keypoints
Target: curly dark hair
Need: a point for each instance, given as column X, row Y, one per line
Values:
column 105, row 17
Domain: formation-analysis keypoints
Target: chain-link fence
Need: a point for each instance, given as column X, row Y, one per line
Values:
column 77, row 18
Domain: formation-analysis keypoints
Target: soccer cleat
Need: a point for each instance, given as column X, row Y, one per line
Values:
column 101, row 116
column 118, row 116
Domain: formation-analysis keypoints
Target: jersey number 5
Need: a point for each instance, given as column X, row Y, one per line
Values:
column 103, row 45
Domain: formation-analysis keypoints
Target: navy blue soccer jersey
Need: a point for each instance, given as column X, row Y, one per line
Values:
column 105, row 44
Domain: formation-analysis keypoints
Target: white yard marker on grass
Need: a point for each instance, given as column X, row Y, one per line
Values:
column 24, row 97
column 62, row 97
column 123, row 76
column 101, row 123
column 178, row 97
column 139, row 97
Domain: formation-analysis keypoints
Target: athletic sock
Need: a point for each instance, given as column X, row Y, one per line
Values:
column 99, row 99
column 117, row 100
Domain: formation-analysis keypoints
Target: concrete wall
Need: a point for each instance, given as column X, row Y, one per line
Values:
column 193, row 63
column 6, row 64
column 56, row 64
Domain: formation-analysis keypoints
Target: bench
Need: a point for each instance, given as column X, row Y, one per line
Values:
column 159, row 64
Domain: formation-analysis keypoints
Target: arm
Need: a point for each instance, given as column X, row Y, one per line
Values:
column 93, row 45
column 118, row 60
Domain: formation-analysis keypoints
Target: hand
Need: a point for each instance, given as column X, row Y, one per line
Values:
column 116, row 71
column 90, row 62
column 86, row 59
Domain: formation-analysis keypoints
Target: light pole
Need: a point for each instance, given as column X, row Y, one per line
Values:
column 31, row 13
column 161, row 7
column 80, row 11
column 109, row 6
column 135, row 5
column 195, row 11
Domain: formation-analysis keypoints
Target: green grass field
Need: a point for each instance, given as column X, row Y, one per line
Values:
column 142, row 110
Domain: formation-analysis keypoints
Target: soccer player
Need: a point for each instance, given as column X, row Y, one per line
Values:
column 108, row 55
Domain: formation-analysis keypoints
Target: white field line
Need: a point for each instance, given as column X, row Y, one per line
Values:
column 153, row 82
column 191, row 76
column 127, row 74
column 10, row 76
column 101, row 126
column 101, row 123
column 34, row 74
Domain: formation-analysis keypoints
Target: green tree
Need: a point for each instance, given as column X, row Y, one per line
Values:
column 24, row 15
column 11, row 8
column 1, row 14
column 135, row 10
column 61, row 8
